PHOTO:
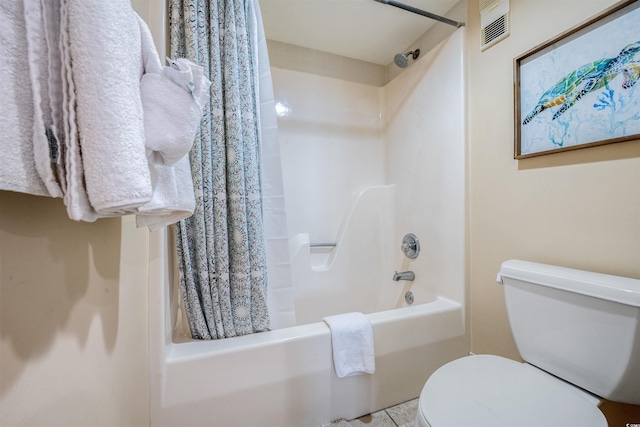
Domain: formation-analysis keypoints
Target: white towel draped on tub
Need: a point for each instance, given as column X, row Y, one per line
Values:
column 352, row 343
column 76, row 122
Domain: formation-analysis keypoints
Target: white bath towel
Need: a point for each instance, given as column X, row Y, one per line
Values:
column 51, row 23
column 352, row 343
column 46, row 150
column 106, row 67
column 76, row 198
column 17, row 170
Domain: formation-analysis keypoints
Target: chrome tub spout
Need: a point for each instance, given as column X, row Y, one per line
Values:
column 404, row 275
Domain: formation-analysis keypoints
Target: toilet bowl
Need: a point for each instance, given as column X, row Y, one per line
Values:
column 579, row 335
column 491, row 391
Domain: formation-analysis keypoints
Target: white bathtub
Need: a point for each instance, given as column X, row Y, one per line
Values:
column 285, row 377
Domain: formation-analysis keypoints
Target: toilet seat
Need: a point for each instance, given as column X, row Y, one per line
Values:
column 492, row 391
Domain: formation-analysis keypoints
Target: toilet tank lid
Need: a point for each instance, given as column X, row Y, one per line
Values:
column 623, row 290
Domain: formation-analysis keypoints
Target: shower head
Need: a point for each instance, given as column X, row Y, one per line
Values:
column 402, row 59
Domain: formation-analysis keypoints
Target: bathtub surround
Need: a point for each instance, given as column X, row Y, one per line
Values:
column 221, row 248
column 331, row 147
column 355, row 274
column 362, row 167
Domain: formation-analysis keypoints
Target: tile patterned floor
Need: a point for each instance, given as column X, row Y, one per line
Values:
column 401, row 415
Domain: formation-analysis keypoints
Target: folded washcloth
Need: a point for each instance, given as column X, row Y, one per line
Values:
column 106, row 68
column 171, row 114
column 18, row 170
column 352, row 342
column 172, row 110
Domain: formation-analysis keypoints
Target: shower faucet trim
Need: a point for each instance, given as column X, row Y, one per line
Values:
column 404, row 275
column 410, row 246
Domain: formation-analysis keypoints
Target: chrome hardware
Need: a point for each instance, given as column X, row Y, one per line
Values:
column 408, row 297
column 410, row 246
column 404, row 275
column 323, row 245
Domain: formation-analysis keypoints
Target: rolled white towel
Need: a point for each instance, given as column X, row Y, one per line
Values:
column 18, row 171
column 106, row 65
column 76, row 198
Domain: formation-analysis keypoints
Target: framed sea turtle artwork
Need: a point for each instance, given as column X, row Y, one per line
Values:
column 581, row 88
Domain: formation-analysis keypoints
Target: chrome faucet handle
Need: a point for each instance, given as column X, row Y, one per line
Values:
column 410, row 246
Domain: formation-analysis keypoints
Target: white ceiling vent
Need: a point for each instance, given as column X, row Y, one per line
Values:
column 494, row 22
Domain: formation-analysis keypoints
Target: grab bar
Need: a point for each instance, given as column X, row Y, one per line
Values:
column 323, row 245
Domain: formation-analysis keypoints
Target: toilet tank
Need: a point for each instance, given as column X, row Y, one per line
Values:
column 580, row 326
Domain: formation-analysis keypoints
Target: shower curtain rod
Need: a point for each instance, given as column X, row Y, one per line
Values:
column 422, row 12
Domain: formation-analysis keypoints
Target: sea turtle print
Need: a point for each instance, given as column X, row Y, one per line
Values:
column 587, row 78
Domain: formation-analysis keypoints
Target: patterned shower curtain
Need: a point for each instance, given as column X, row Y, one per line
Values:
column 221, row 248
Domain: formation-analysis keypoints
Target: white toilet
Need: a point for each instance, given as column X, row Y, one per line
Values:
column 579, row 333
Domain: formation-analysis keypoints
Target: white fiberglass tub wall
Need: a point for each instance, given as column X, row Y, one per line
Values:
column 353, row 275
column 424, row 121
column 421, row 118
